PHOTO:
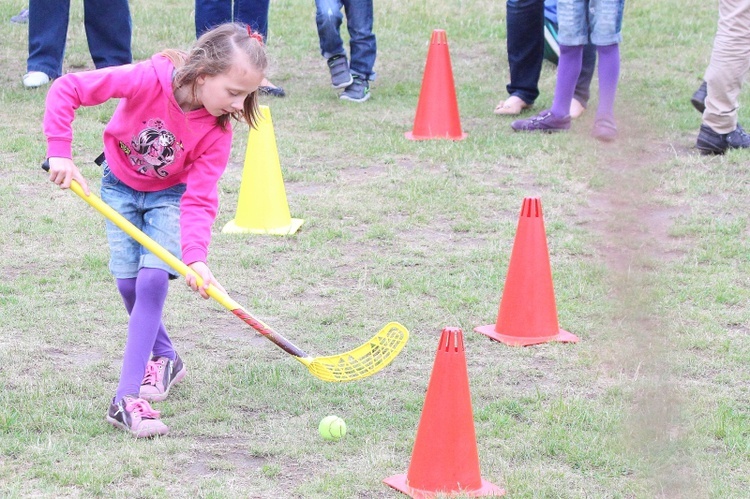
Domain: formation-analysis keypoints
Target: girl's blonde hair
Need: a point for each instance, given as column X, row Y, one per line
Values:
column 213, row 54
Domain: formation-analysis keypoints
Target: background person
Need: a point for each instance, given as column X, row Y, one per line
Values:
column 353, row 76
column 581, row 22
column 727, row 69
column 254, row 13
column 530, row 24
column 108, row 33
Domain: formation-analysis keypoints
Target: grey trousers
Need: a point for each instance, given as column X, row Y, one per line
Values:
column 729, row 65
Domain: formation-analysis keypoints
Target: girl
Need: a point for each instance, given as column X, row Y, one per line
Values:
column 165, row 148
column 599, row 21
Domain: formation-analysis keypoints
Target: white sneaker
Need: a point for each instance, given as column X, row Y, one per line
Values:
column 34, row 79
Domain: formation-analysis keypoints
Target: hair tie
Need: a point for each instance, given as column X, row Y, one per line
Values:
column 254, row 34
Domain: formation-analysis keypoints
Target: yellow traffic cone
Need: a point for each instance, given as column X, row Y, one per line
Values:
column 262, row 207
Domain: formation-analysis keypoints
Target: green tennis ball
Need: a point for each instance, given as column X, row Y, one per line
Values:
column 332, row 428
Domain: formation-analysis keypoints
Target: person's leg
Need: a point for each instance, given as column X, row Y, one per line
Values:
column 48, row 29
column 108, row 32
column 609, row 74
column 583, row 85
column 525, row 42
column 151, row 288
column 254, row 13
column 126, row 287
column 362, row 43
column 728, row 67
column 568, row 71
column 162, row 345
column 328, row 18
column 210, row 13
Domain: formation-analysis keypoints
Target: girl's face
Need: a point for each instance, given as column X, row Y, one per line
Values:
column 225, row 93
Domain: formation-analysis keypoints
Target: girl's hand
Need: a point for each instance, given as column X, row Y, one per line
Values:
column 62, row 171
column 204, row 272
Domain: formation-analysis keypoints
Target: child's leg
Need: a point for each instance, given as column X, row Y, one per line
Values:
column 126, row 287
column 163, row 345
column 359, row 22
column 588, row 66
column 151, row 288
column 568, row 69
column 328, row 17
column 609, row 74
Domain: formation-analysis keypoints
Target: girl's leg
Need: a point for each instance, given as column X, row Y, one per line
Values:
column 126, row 287
column 568, row 69
column 605, row 128
column 609, row 74
column 162, row 345
column 151, row 288
column 588, row 66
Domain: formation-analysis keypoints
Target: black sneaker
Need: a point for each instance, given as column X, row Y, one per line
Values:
column 340, row 75
column 711, row 142
column 161, row 374
column 272, row 91
column 358, row 91
column 136, row 416
column 698, row 100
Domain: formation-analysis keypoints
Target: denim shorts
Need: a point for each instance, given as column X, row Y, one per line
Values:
column 157, row 214
column 581, row 21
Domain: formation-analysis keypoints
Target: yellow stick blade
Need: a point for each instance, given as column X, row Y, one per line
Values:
column 365, row 360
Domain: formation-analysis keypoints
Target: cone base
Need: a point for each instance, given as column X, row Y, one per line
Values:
column 233, row 228
column 411, row 136
column 516, row 341
column 399, row 482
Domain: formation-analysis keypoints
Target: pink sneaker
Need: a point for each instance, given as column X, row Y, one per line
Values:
column 136, row 416
column 161, row 374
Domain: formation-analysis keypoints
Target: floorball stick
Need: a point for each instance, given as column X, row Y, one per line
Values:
column 361, row 362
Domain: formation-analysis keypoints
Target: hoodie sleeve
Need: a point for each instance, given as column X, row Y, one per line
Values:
column 200, row 202
column 87, row 88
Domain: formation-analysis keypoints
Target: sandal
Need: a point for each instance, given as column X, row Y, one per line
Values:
column 512, row 106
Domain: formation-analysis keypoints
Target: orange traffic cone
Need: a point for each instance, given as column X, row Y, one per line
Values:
column 437, row 109
column 445, row 458
column 527, row 314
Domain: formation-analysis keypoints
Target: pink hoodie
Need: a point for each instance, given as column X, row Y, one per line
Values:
column 150, row 143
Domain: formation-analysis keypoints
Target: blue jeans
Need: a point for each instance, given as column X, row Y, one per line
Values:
column 210, row 13
column 157, row 214
column 108, row 32
column 595, row 21
column 525, row 28
column 359, row 21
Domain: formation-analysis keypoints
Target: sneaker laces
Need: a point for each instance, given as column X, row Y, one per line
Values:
column 152, row 373
column 141, row 408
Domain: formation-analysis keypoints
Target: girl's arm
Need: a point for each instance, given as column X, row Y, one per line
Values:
column 62, row 171
column 86, row 88
column 199, row 205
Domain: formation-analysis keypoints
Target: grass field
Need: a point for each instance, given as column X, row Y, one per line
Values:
column 648, row 245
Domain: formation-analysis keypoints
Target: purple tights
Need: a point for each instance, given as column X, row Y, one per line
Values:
column 568, row 70
column 144, row 298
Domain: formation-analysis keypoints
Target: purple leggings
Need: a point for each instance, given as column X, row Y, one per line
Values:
column 568, row 70
column 144, row 298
